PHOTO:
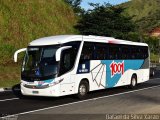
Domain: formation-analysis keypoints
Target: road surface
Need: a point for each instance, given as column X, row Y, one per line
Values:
column 144, row 99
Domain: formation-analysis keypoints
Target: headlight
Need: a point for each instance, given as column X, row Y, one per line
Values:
column 55, row 83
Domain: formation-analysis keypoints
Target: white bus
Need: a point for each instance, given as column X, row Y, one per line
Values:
column 76, row 64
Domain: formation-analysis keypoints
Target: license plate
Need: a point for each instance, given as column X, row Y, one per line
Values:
column 35, row 92
column 30, row 83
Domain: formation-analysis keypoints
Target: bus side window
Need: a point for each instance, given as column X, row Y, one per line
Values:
column 67, row 61
column 126, row 54
column 87, row 52
column 115, row 52
column 133, row 51
column 119, row 52
column 68, row 57
column 101, row 51
column 145, row 52
column 111, row 53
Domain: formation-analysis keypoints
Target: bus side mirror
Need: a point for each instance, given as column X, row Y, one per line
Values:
column 59, row 51
column 17, row 52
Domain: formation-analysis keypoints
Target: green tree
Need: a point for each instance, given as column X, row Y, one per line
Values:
column 105, row 20
column 76, row 6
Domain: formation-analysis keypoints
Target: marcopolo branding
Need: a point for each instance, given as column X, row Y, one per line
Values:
column 117, row 68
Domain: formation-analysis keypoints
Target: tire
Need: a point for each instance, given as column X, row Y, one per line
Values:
column 83, row 89
column 133, row 83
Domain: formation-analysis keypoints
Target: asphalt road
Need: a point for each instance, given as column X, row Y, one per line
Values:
column 144, row 99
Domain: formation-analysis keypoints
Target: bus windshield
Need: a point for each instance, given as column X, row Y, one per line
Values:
column 40, row 63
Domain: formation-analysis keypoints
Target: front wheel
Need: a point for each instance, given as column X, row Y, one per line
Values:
column 133, row 82
column 83, row 90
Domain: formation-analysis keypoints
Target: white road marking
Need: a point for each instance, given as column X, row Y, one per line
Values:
column 79, row 102
column 8, row 99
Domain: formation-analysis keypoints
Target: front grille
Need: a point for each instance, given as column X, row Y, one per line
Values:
column 36, row 87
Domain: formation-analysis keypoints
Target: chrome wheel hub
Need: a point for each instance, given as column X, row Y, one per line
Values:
column 133, row 82
column 82, row 90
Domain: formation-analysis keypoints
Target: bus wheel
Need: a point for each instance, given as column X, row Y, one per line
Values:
column 133, row 81
column 83, row 89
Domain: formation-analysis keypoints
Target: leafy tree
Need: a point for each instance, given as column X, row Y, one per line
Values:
column 105, row 20
column 76, row 6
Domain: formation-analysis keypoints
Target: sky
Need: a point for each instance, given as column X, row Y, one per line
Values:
column 85, row 5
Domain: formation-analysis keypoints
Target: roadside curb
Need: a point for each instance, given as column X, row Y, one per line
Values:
column 5, row 89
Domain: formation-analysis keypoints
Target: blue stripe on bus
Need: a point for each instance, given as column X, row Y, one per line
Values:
column 111, row 81
column 40, row 83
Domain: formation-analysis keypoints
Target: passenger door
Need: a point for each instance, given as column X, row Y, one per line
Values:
column 66, row 65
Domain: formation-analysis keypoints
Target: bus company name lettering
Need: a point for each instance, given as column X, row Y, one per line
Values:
column 117, row 68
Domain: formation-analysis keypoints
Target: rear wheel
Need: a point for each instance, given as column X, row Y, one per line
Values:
column 133, row 81
column 83, row 89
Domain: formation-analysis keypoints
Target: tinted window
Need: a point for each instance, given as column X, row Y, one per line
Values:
column 138, row 52
column 127, row 52
column 68, row 57
column 104, row 51
column 101, row 51
column 115, row 51
column 87, row 51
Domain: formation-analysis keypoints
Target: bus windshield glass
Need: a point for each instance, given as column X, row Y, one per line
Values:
column 40, row 63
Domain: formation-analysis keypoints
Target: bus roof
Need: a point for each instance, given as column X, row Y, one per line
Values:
column 60, row 39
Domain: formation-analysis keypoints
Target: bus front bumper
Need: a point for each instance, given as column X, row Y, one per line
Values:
column 48, row 92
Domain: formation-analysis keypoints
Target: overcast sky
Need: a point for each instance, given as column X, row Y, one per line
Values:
column 85, row 5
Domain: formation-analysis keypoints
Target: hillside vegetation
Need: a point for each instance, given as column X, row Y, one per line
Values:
column 22, row 21
column 146, row 13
